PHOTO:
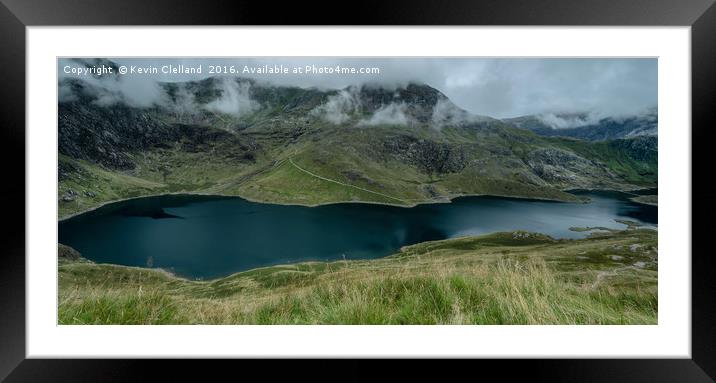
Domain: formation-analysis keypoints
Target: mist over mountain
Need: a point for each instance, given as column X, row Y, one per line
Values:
column 389, row 144
column 590, row 126
column 498, row 87
column 412, row 103
column 425, row 131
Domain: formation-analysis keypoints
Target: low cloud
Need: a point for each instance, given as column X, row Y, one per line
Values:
column 557, row 121
column 144, row 92
column 338, row 107
column 578, row 120
column 110, row 89
column 391, row 114
column 182, row 102
column 445, row 113
column 65, row 93
column 235, row 98
column 495, row 87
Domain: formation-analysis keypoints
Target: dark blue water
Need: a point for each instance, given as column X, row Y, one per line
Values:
column 206, row 237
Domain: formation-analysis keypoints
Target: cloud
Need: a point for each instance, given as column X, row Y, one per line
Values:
column 65, row 93
column 391, row 114
column 496, row 87
column 569, row 121
column 338, row 107
column 576, row 120
column 182, row 102
column 110, row 89
column 235, row 98
column 345, row 104
column 446, row 113
column 147, row 91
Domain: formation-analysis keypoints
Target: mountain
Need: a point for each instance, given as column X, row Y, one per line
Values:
column 399, row 145
column 586, row 127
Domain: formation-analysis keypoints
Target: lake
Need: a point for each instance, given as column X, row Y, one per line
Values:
column 204, row 237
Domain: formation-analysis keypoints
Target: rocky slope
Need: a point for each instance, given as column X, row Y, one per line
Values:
column 401, row 145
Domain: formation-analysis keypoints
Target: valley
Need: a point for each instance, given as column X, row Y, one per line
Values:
column 285, row 149
column 247, row 200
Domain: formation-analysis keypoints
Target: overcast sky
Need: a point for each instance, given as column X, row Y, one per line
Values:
column 497, row 87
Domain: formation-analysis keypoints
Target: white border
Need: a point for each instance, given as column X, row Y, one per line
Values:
column 670, row 338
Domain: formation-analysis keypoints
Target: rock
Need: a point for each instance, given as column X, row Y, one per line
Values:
column 430, row 190
column 563, row 168
column 69, row 195
column 430, row 156
column 642, row 148
column 419, row 100
column 107, row 134
column 66, row 252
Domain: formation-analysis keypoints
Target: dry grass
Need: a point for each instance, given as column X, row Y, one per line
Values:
column 483, row 280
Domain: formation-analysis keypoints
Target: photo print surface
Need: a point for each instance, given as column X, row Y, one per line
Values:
column 357, row 190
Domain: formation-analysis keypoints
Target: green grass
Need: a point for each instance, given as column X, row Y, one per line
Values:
column 151, row 307
column 495, row 163
column 288, row 184
column 501, row 278
column 103, row 184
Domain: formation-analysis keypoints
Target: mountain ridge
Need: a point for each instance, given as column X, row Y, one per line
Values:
column 236, row 137
column 590, row 127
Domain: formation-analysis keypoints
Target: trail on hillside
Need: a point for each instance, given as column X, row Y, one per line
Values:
column 344, row 184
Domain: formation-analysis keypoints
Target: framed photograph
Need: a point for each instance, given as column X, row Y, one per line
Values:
column 482, row 181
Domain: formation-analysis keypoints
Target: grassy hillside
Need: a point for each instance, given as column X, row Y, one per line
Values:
column 289, row 150
column 356, row 164
column 501, row 278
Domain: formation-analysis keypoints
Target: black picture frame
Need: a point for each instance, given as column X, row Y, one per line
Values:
column 16, row 15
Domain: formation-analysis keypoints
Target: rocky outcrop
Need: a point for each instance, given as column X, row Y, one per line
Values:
column 430, row 156
column 69, row 195
column 419, row 99
column 65, row 252
column 106, row 135
column 643, row 148
column 565, row 169
column 432, row 136
column 110, row 135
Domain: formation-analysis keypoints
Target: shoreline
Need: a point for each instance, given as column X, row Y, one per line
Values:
column 426, row 202
column 638, row 199
column 448, row 199
column 454, row 266
column 171, row 274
